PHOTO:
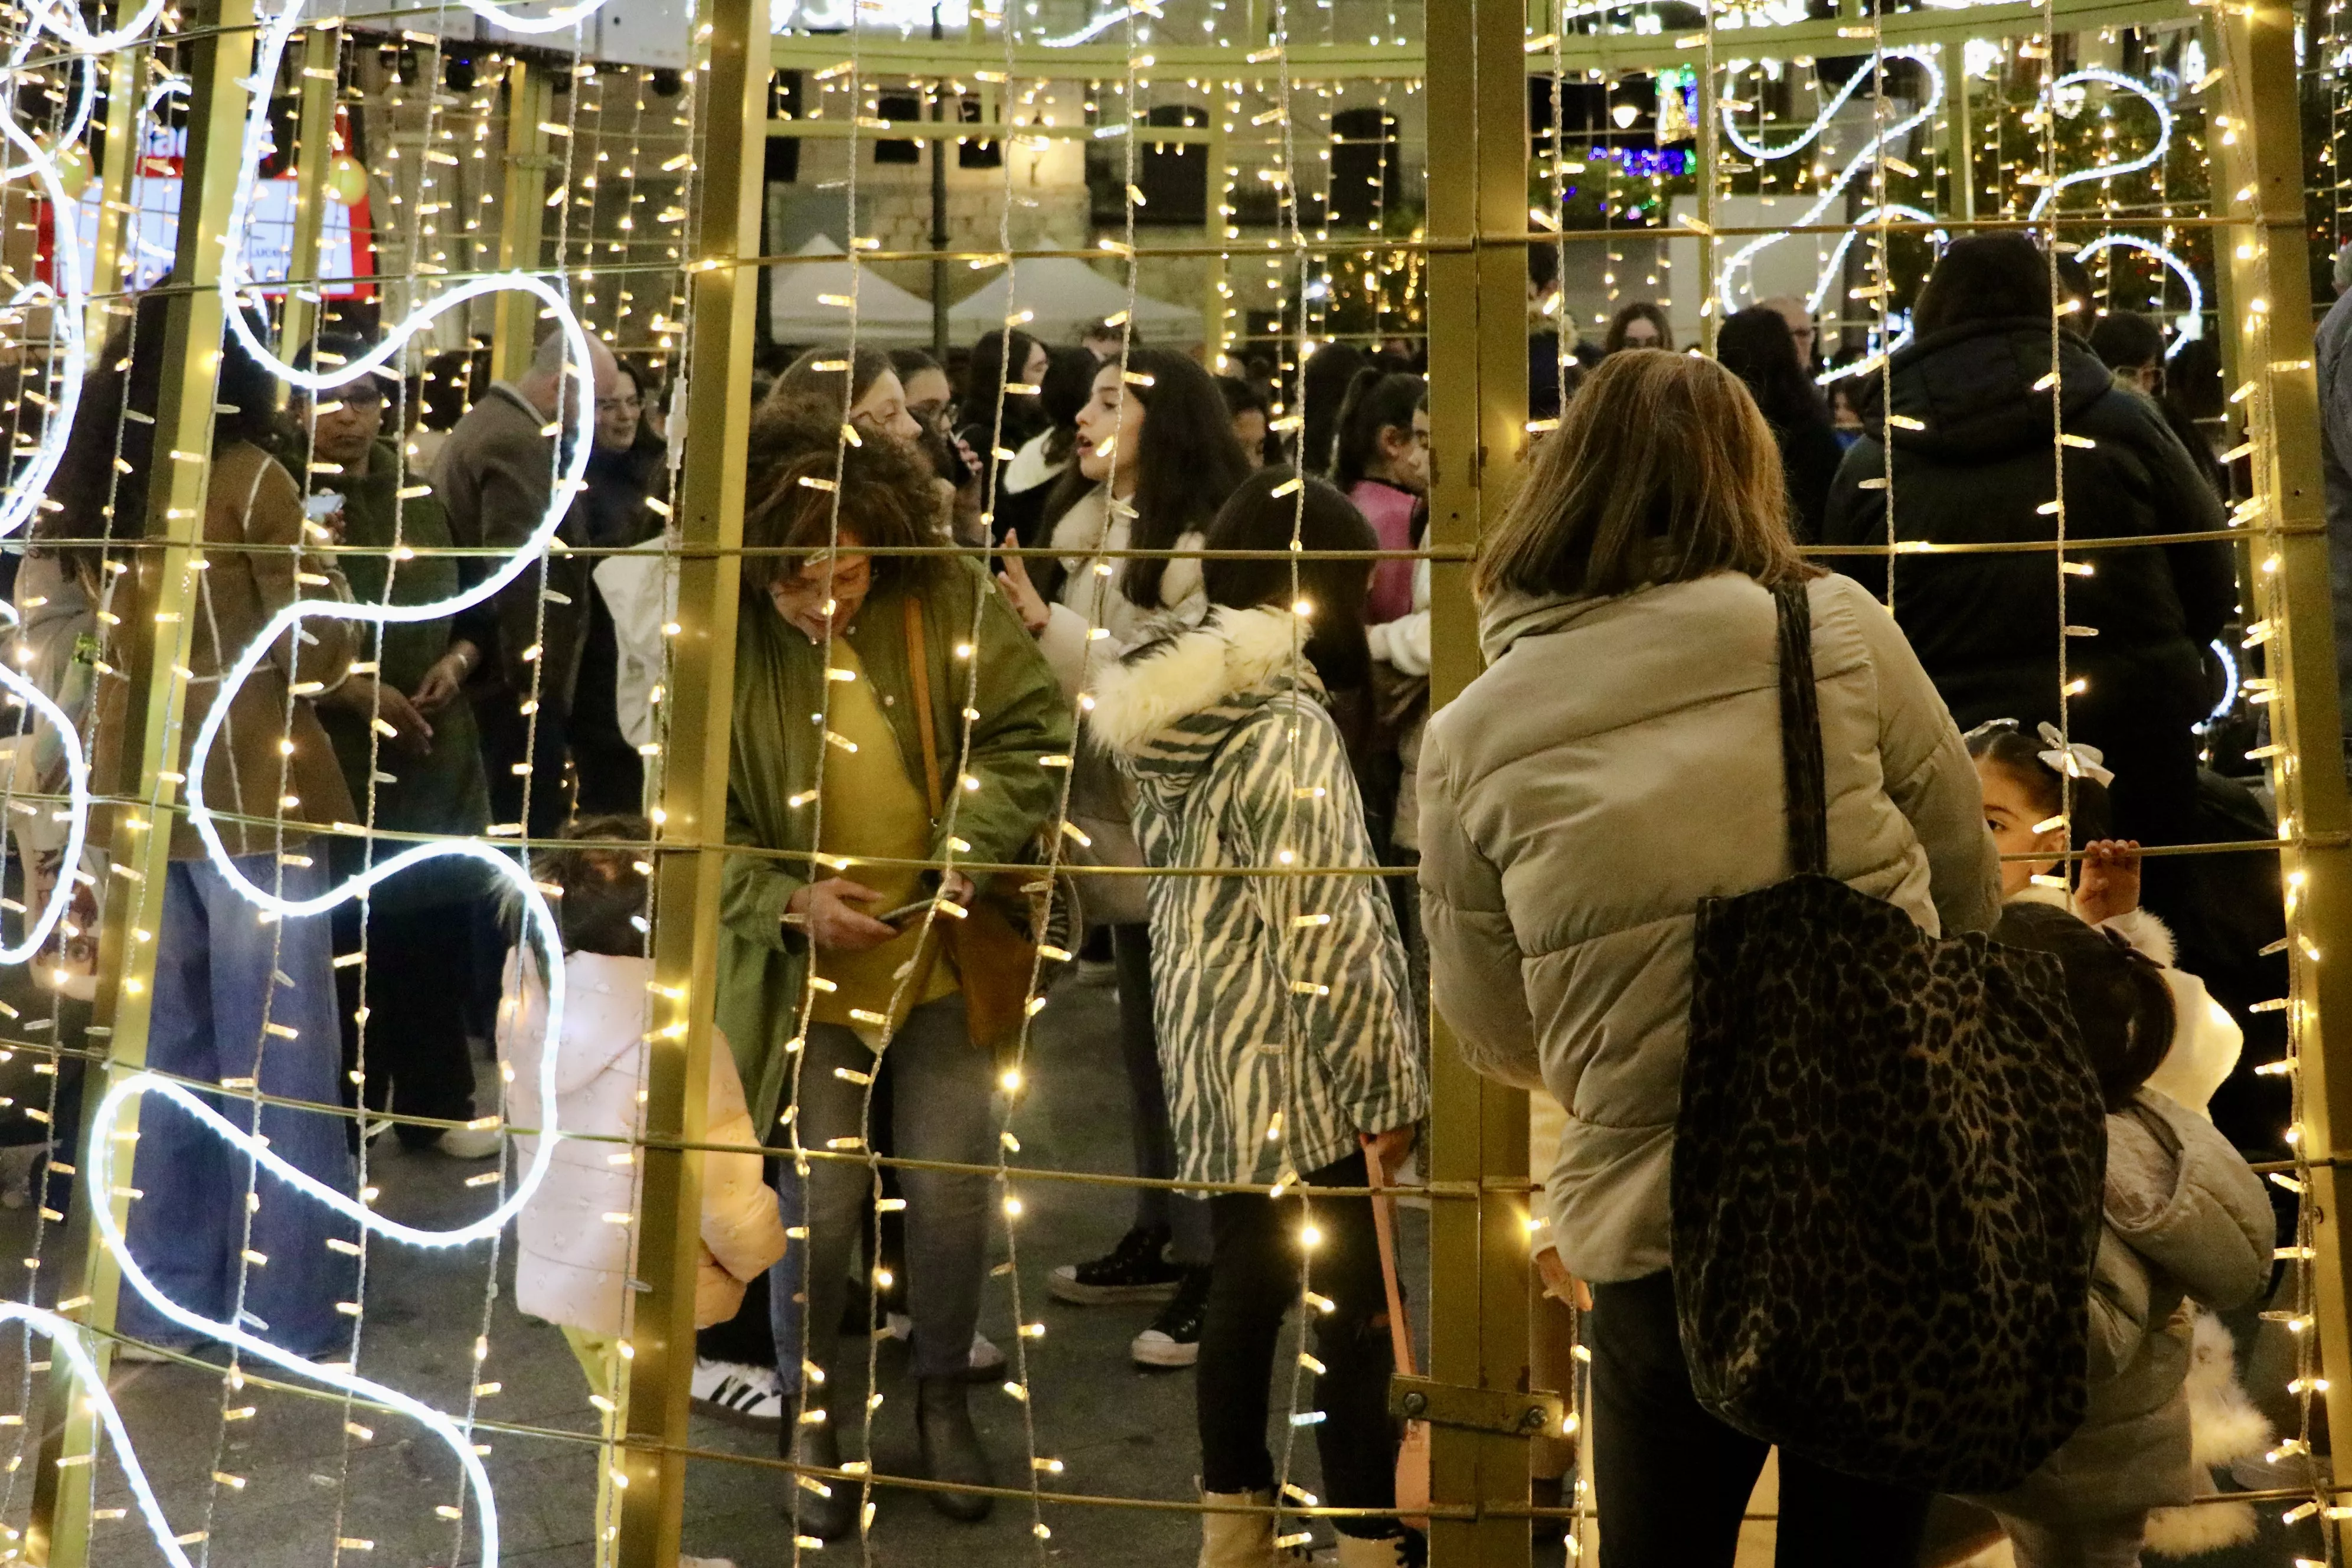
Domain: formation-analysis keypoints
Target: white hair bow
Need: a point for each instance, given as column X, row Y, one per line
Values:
column 2076, row 760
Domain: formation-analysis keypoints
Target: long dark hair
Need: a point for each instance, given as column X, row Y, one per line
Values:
column 1255, row 518
column 2122, row 1006
column 1186, row 464
column 96, row 501
column 1004, row 419
column 1377, row 400
column 1757, row 346
column 1323, row 384
column 1984, row 276
column 1069, row 382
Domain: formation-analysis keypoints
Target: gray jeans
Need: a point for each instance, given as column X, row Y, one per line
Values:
column 2101, row 1543
column 942, row 1109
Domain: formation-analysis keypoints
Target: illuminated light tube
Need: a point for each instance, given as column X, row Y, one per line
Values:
column 1835, row 190
column 27, row 485
column 2140, row 89
column 477, row 1480
column 2192, row 321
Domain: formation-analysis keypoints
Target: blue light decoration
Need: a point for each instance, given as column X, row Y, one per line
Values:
column 1643, row 163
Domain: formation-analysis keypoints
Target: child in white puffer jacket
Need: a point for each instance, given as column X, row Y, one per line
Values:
column 574, row 1254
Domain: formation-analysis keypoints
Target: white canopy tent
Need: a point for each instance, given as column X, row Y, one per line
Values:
column 887, row 316
column 1065, row 293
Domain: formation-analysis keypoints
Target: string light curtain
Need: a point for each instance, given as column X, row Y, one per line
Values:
column 517, row 183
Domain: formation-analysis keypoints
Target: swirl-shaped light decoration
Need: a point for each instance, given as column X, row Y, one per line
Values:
column 1868, row 155
column 23, row 495
column 1834, row 264
column 2191, row 322
column 2140, row 89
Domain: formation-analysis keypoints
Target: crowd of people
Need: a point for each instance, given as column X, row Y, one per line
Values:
column 1199, row 634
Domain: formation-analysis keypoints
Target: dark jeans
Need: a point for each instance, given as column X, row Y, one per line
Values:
column 419, row 968
column 610, row 775
column 1672, row 1481
column 1253, row 1281
column 1156, row 1208
column 508, row 737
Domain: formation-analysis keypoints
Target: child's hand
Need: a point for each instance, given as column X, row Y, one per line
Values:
column 1559, row 1283
column 2109, row 883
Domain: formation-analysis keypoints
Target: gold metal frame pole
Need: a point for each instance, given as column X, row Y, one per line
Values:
column 1478, row 380
column 322, row 53
column 119, row 157
column 136, row 764
column 1959, row 137
column 730, row 133
column 2269, row 304
column 1214, row 336
column 1707, row 153
column 522, row 212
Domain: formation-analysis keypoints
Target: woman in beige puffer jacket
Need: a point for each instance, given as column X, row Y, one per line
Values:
column 1618, row 762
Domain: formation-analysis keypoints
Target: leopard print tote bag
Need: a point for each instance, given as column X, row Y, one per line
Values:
column 1888, row 1169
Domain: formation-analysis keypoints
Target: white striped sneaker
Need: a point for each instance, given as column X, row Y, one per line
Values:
column 739, row 1393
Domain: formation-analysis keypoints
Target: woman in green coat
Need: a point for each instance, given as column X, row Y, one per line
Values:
column 829, row 777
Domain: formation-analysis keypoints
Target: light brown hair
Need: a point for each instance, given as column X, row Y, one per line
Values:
column 1662, row 471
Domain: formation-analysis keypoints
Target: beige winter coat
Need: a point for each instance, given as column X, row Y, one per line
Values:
column 572, row 1263
column 2186, row 1220
column 1618, row 762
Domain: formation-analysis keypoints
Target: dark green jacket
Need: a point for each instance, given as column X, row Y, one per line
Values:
column 779, row 684
column 443, row 791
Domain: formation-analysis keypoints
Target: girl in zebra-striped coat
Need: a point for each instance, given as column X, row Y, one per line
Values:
column 1284, row 1036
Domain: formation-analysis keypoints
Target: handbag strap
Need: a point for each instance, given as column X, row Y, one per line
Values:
column 919, row 672
column 1800, row 735
column 1384, row 1229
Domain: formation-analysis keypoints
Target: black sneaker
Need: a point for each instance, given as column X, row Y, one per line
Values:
column 1174, row 1337
column 1137, row 1270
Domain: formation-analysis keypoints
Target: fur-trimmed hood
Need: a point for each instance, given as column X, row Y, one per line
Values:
column 1154, row 708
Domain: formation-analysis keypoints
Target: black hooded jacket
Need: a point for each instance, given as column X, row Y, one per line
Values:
column 1977, row 469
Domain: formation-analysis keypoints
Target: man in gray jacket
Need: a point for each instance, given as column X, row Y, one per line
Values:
column 494, row 478
column 2329, row 346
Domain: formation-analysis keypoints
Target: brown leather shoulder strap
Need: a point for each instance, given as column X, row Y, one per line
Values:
column 919, row 671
